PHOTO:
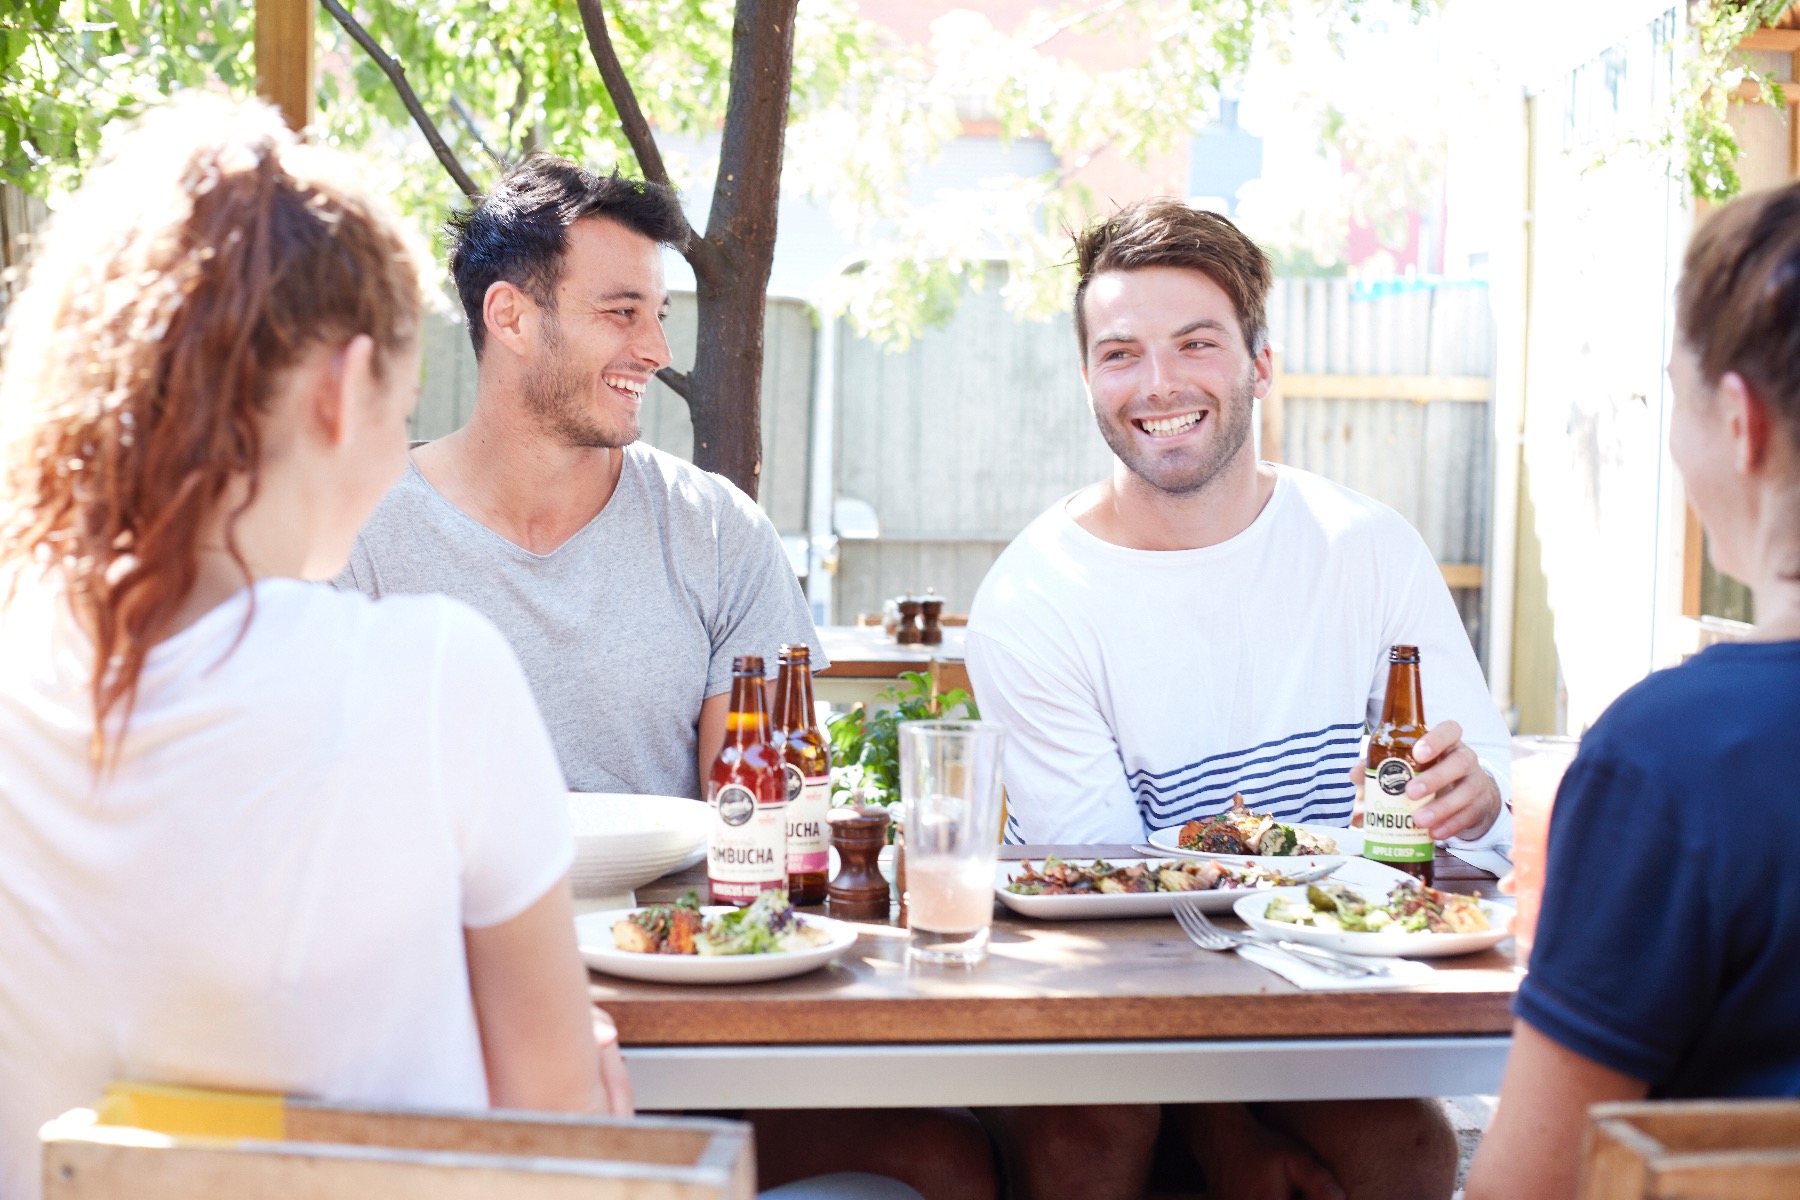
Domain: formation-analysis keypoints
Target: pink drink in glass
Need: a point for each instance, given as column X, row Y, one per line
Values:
column 947, row 896
column 1538, row 766
column 950, row 808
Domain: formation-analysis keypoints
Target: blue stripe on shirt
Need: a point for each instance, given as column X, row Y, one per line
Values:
column 1302, row 777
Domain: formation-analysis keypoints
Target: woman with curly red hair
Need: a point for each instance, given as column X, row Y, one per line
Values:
column 254, row 832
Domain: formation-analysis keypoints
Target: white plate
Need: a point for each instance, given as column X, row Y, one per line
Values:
column 624, row 841
column 594, row 933
column 1121, row 904
column 1349, row 844
column 1403, row 945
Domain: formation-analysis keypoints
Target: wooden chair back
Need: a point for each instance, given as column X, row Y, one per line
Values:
column 1693, row 1150
column 153, row 1143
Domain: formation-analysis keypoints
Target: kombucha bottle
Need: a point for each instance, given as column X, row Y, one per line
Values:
column 806, row 760
column 1389, row 835
column 746, row 851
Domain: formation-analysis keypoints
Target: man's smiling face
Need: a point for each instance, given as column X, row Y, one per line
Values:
column 1169, row 374
column 596, row 350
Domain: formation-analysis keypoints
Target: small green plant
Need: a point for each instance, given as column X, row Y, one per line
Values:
column 865, row 743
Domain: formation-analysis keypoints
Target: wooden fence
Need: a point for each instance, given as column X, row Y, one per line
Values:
column 1386, row 389
column 958, row 443
column 21, row 216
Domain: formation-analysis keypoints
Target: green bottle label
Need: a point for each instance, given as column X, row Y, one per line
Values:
column 1389, row 834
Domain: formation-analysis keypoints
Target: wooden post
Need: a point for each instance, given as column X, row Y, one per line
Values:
column 284, row 58
column 1272, row 416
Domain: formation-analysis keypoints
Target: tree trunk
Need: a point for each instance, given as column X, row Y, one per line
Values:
column 725, row 386
column 732, row 262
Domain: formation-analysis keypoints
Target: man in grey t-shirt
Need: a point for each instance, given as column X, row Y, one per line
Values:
column 625, row 579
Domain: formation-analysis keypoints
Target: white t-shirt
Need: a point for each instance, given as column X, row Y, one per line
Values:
column 270, row 891
column 1141, row 689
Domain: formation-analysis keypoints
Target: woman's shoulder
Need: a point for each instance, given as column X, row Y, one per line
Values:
column 389, row 633
column 1731, row 709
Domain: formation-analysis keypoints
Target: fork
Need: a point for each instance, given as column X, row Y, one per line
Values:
column 1204, row 934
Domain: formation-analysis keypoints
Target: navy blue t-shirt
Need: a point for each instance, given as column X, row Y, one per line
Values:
column 1668, row 947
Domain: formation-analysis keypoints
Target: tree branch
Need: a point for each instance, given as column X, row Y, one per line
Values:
column 397, row 76
column 468, row 123
column 680, row 382
column 701, row 255
column 631, row 117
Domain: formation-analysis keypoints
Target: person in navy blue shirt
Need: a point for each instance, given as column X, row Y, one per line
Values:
column 1667, row 960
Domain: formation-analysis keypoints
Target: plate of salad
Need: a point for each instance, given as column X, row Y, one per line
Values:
column 686, row 942
column 1410, row 920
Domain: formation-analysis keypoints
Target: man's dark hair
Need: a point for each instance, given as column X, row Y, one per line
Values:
column 1161, row 232
column 519, row 230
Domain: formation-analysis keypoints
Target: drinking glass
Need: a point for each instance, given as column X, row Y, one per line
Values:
column 950, row 811
column 1538, row 764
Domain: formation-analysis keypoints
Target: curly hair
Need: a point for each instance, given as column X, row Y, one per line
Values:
column 195, row 264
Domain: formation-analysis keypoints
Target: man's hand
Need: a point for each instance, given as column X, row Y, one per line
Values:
column 1247, row 1160
column 1467, row 801
column 614, row 1080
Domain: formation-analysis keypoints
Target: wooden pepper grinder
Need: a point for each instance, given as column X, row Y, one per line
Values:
column 859, row 892
column 909, row 634
column 931, row 608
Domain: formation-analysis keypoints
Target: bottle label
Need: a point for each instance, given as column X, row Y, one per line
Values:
column 808, row 799
column 747, row 852
column 1389, row 834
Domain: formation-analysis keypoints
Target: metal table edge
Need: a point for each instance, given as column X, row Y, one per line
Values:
column 1009, row 1073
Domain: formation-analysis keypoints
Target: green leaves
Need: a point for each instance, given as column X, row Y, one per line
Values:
column 865, row 744
column 71, row 67
column 1697, row 137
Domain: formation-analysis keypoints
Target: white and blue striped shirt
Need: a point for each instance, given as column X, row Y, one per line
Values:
column 1142, row 689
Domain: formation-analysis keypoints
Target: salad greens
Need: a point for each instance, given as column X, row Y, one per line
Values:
column 1409, row 908
column 766, row 926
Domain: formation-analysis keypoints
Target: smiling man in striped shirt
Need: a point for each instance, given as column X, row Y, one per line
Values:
column 1201, row 624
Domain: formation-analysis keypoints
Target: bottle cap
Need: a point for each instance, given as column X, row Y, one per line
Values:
column 747, row 664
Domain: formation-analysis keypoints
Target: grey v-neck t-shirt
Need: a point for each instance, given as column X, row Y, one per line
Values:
column 625, row 628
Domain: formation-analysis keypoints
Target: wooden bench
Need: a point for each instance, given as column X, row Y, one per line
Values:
column 157, row 1143
column 1690, row 1150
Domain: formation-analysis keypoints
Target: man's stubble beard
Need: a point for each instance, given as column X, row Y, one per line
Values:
column 555, row 394
column 1233, row 431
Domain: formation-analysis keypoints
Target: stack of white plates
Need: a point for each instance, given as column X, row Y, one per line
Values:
column 623, row 842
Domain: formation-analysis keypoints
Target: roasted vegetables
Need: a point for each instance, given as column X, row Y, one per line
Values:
column 1059, row 878
column 1240, row 831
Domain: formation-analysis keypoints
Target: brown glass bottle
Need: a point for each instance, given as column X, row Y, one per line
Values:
column 746, row 850
column 806, row 761
column 1389, row 835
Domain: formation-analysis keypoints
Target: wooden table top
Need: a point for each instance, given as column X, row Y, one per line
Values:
column 870, row 652
column 1057, row 981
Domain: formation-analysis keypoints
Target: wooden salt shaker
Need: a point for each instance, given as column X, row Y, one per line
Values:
column 909, row 621
column 859, row 892
column 931, row 608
